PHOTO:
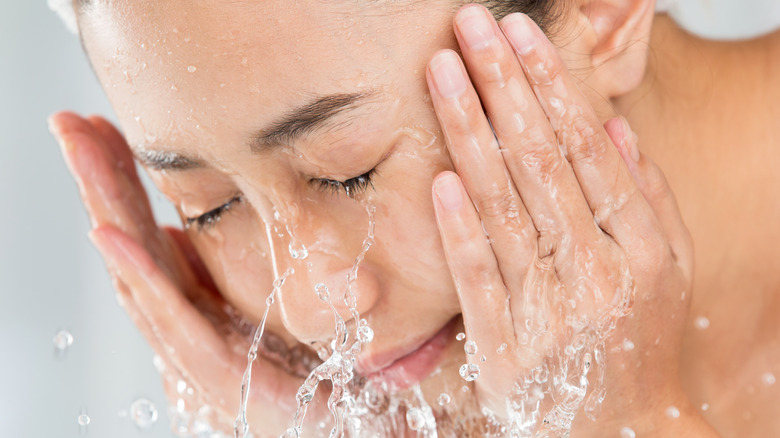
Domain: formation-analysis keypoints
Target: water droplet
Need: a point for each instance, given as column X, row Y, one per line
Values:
column 460, row 336
column 192, row 69
column 464, row 388
column 469, row 371
column 415, row 419
column 627, row 432
column 672, row 412
column 322, row 291
column 705, row 406
column 470, row 347
column 701, row 322
column 62, row 340
column 270, row 300
column 501, row 348
column 483, row 358
column 83, row 419
column 159, row 363
column 181, row 386
column 365, row 334
column 144, row 413
column 299, row 253
column 627, row 345
column 768, row 379
column 444, row 399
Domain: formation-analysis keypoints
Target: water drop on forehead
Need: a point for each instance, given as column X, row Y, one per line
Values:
column 443, row 399
column 470, row 347
column 144, row 414
column 672, row 412
column 627, row 432
column 192, row 69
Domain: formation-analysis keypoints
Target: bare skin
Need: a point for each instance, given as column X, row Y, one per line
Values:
column 724, row 179
column 155, row 269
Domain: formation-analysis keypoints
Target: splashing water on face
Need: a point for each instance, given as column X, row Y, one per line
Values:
column 241, row 425
column 339, row 367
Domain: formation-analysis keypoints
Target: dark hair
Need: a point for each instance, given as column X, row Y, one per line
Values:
column 544, row 12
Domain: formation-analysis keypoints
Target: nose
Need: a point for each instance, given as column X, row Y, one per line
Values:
column 308, row 300
column 333, row 270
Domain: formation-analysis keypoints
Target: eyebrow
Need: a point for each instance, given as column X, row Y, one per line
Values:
column 300, row 121
column 163, row 160
column 305, row 119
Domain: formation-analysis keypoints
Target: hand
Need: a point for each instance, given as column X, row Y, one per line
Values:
column 165, row 288
column 579, row 226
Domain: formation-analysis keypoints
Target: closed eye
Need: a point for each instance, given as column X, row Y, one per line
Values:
column 211, row 218
column 352, row 187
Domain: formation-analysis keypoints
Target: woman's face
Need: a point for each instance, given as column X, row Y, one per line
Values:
column 263, row 106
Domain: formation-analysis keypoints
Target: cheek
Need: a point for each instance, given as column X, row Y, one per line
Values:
column 237, row 255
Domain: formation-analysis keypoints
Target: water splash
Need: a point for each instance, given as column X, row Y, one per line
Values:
column 241, row 425
column 339, row 367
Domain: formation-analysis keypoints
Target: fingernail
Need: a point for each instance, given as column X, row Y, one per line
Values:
column 448, row 75
column 448, row 192
column 520, row 33
column 475, row 27
column 631, row 140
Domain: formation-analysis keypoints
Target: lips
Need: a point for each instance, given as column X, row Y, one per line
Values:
column 406, row 366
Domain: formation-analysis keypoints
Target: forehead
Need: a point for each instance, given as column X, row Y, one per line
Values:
column 183, row 70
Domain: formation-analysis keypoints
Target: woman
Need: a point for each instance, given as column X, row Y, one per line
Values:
column 278, row 129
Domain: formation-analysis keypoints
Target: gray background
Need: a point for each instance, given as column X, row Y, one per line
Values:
column 51, row 277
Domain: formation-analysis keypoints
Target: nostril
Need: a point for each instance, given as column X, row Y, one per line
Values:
column 307, row 307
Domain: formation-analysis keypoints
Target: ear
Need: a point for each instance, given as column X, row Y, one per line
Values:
column 614, row 35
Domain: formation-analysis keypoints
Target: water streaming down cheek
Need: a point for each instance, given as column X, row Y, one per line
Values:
column 338, row 368
column 241, row 425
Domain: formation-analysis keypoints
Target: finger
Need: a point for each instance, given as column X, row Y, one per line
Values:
column 173, row 319
column 611, row 194
column 115, row 143
column 656, row 190
column 111, row 195
column 125, row 299
column 482, row 293
column 189, row 340
column 477, row 159
column 198, row 286
column 539, row 170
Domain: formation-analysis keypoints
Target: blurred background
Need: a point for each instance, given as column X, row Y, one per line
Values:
column 52, row 278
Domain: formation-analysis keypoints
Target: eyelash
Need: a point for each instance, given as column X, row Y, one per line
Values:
column 352, row 187
column 211, row 218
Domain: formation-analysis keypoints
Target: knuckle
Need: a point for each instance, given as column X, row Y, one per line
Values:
column 655, row 254
column 496, row 203
column 539, row 155
column 494, row 73
column 654, row 184
column 583, row 142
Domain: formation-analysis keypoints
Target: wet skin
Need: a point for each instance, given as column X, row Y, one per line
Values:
column 431, row 261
